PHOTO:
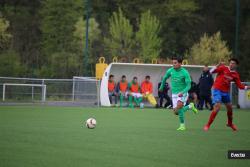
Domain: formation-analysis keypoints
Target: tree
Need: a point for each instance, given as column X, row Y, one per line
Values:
column 5, row 36
column 57, row 27
column 210, row 50
column 180, row 28
column 93, row 36
column 24, row 28
column 64, row 65
column 10, row 65
column 148, row 37
column 120, row 41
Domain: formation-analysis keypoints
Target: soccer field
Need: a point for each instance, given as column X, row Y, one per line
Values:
column 34, row 136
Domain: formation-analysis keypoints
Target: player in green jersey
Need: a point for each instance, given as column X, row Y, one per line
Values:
column 180, row 83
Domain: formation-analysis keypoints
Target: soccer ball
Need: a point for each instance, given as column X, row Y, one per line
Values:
column 91, row 123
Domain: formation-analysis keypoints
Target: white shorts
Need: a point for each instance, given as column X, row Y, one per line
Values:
column 176, row 98
column 136, row 95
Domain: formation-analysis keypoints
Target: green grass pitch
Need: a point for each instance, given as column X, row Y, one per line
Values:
column 43, row 136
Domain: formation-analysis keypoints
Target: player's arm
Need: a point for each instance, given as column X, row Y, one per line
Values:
column 239, row 84
column 129, row 86
column 217, row 69
column 188, row 84
column 151, row 88
column 166, row 76
column 142, row 88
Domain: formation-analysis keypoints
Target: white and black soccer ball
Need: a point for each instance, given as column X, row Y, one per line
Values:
column 91, row 123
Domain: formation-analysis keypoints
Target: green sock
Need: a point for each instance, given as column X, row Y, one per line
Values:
column 138, row 101
column 181, row 115
column 185, row 108
column 130, row 99
column 121, row 99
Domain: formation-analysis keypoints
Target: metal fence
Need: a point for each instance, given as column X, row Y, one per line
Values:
column 76, row 91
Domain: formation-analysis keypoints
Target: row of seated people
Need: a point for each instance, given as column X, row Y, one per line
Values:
column 136, row 92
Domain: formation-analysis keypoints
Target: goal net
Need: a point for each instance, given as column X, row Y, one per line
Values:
column 86, row 89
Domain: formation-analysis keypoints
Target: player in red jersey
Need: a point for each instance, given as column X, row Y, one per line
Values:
column 220, row 90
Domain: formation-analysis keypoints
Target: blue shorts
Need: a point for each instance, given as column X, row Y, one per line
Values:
column 220, row 97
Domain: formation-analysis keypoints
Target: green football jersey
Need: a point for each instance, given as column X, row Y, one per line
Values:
column 180, row 80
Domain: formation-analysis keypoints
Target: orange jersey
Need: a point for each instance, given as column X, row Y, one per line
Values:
column 134, row 88
column 123, row 86
column 111, row 86
column 146, row 87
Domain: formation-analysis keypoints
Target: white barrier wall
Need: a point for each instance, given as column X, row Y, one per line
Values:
column 155, row 71
column 244, row 98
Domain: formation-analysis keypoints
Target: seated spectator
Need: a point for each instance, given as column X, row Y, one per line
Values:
column 164, row 95
column 147, row 91
column 193, row 93
column 134, row 93
column 111, row 90
column 122, row 89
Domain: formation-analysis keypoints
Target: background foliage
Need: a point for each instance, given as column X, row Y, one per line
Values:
column 44, row 38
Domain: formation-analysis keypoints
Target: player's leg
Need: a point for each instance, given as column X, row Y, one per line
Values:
column 115, row 95
column 152, row 100
column 161, row 98
column 201, row 102
column 121, row 98
column 209, row 101
column 230, row 116
column 110, row 97
column 181, row 101
column 176, row 107
column 168, row 103
column 195, row 99
column 130, row 99
column 138, row 99
column 179, row 110
column 217, row 99
column 189, row 98
column 228, row 104
column 213, row 114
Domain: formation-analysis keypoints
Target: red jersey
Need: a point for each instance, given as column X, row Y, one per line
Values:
column 224, row 77
column 146, row 87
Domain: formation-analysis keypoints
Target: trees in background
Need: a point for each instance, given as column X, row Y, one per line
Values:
column 148, row 37
column 124, row 42
column 80, row 42
column 120, row 40
column 44, row 38
column 210, row 50
column 58, row 19
column 9, row 61
column 5, row 36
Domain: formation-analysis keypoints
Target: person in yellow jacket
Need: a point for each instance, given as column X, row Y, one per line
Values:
column 147, row 91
